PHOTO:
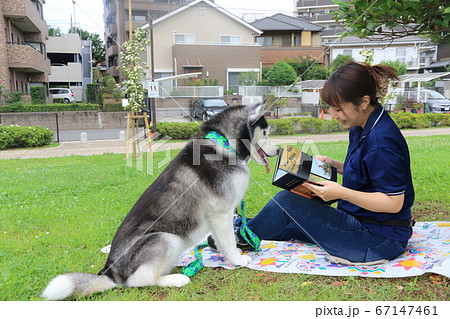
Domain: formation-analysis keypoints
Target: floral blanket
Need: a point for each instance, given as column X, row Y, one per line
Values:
column 428, row 251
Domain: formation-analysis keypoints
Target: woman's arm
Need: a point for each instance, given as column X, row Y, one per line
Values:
column 377, row 202
column 339, row 165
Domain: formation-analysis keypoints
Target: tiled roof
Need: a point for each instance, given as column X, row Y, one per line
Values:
column 282, row 22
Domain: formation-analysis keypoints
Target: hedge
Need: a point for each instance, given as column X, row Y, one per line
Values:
column 296, row 125
column 309, row 125
column 57, row 107
column 178, row 131
column 416, row 121
column 38, row 94
column 93, row 93
column 13, row 136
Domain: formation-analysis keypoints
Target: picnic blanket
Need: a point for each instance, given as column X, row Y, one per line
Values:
column 428, row 251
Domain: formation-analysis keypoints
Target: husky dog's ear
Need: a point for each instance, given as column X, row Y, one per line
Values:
column 255, row 111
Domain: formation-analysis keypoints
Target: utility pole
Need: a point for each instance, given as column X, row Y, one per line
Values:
column 130, row 23
column 152, row 70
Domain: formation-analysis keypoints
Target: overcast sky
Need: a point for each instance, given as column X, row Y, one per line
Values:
column 89, row 13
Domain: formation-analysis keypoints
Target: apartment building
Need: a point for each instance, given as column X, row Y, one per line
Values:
column 23, row 56
column 70, row 63
column 320, row 12
column 116, row 18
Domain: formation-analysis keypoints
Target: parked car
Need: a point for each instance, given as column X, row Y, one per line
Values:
column 63, row 93
column 207, row 107
column 437, row 102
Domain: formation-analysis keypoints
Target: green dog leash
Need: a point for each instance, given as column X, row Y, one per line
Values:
column 194, row 266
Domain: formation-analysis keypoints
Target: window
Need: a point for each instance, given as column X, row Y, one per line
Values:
column 297, row 40
column 401, row 54
column 230, row 39
column 264, row 41
column 184, row 38
column 347, row 52
column 286, row 41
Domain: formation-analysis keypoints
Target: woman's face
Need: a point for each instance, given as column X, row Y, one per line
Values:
column 350, row 115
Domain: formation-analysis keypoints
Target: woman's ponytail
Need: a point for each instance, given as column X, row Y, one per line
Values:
column 381, row 75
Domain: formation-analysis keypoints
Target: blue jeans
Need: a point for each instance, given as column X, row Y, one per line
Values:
column 290, row 216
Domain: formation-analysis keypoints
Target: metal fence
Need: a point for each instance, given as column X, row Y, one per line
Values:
column 191, row 91
column 277, row 91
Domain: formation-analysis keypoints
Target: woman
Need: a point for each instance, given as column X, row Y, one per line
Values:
column 372, row 222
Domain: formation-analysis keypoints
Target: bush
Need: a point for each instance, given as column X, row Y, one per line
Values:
column 93, row 93
column 58, row 100
column 282, row 126
column 24, row 136
column 281, row 73
column 416, row 121
column 178, row 131
column 13, row 97
column 56, row 107
column 38, row 94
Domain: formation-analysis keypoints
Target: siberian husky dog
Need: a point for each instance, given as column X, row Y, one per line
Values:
column 195, row 195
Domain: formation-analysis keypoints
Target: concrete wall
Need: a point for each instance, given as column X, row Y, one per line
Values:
column 83, row 120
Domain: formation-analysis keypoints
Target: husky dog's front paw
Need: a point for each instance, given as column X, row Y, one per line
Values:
column 240, row 260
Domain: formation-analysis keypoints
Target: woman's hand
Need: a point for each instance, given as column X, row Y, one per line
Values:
column 328, row 191
column 328, row 160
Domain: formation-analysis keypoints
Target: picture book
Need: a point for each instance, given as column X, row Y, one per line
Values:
column 295, row 167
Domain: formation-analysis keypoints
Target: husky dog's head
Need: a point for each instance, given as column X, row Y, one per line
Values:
column 247, row 131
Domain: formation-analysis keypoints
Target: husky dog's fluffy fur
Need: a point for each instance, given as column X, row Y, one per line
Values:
column 195, row 195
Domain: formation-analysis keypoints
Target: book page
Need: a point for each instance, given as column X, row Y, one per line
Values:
column 320, row 171
column 290, row 160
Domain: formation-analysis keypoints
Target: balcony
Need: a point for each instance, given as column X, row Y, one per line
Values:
column 112, row 50
column 66, row 73
column 27, row 58
column 315, row 3
column 25, row 16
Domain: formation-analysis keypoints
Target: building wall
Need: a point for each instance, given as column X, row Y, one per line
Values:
column 20, row 64
column 71, row 43
column 408, row 53
column 207, row 24
column 217, row 60
column 271, row 55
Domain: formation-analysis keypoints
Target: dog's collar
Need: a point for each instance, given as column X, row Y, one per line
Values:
column 220, row 140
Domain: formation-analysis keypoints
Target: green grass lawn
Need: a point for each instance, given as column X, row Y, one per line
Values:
column 57, row 213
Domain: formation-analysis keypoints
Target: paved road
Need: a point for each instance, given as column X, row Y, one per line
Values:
column 116, row 146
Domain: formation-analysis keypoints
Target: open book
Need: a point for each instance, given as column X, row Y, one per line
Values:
column 294, row 167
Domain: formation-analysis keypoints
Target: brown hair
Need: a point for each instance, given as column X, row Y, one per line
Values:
column 353, row 80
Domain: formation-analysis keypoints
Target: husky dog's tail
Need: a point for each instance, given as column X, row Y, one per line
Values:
column 74, row 285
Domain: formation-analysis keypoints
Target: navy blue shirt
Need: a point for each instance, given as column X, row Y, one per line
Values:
column 378, row 161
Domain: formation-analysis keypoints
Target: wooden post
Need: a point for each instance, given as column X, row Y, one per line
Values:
column 132, row 127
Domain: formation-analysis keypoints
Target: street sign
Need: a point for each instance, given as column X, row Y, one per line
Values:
column 152, row 89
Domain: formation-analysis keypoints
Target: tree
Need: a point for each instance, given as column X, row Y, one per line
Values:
column 133, row 68
column 316, row 72
column 401, row 67
column 393, row 19
column 98, row 47
column 54, row 32
column 250, row 78
column 339, row 60
column 308, row 68
column 281, row 73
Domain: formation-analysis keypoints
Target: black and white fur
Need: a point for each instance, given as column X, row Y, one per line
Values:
column 195, row 195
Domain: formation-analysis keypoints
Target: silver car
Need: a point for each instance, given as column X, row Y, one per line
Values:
column 63, row 93
column 437, row 102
